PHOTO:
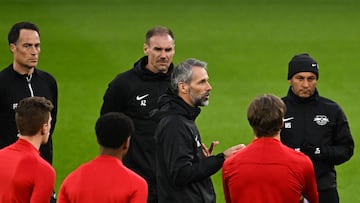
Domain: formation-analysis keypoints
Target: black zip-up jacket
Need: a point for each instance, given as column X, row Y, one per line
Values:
column 183, row 171
column 15, row 87
column 135, row 92
column 318, row 127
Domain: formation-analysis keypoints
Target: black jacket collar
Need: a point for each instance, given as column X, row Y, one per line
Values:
column 11, row 67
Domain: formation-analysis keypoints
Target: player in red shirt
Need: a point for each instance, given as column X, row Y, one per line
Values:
column 24, row 175
column 105, row 178
column 266, row 170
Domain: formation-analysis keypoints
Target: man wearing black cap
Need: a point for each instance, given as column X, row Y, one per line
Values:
column 315, row 126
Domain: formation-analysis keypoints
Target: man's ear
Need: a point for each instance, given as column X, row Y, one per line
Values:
column 12, row 47
column 126, row 144
column 146, row 49
column 44, row 129
column 183, row 87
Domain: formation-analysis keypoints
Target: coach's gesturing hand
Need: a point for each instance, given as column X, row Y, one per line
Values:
column 208, row 151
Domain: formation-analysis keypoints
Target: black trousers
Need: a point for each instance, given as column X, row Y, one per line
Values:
column 152, row 196
column 329, row 196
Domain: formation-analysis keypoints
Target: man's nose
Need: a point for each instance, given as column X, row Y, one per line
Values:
column 34, row 50
column 306, row 83
column 163, row 54
column 209, row 86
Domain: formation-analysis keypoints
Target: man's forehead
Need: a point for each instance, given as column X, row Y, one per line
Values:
column 164, row 41
column 199, row 73
column 28, row 32
column 29, row 36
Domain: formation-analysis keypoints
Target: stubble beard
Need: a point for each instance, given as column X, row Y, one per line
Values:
column 200, row 101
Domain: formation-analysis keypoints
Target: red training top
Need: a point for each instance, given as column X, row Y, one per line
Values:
column 268, row 171
column 24, row 175
column 104, row 179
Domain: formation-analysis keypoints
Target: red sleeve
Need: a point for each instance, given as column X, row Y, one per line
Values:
column 310, row 188
column 225, row 184
column 44, row 183
column 140, row 193
column 63, row 198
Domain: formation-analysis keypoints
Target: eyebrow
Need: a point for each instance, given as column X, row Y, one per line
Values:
column 166, row 49
column 203, row 80
column 305, row 77
column 27, row 43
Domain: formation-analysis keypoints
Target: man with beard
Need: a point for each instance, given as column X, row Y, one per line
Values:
column 316, row 126
column 183, row 164
column 135, row 93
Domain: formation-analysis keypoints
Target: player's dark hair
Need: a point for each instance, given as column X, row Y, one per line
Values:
column 14, row 32
column 31, row 114
column 265, row 115
column 158, row 30
column 113, row 129
column 183, row 72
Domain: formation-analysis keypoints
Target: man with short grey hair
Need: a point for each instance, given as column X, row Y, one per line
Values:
column 183, row 164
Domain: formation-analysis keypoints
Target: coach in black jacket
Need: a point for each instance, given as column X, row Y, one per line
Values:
column 184, row 165
column 135, row 92
column 316, row 126
column 22, row 79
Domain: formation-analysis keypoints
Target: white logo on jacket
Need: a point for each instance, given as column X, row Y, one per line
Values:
column 321, row 120
column 142, row 99
column 286, row 123
column 198, row 144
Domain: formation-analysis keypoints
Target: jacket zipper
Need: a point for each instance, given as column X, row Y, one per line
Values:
column 28, row 79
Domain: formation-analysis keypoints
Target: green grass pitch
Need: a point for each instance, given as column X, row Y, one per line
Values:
column 247, row 44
